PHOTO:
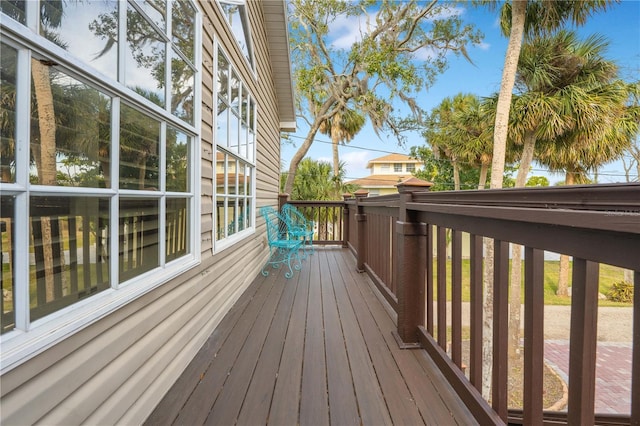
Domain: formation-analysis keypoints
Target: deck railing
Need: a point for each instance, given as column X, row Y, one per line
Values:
column 402, row 242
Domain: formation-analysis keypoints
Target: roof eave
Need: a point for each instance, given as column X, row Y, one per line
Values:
column 275, row 15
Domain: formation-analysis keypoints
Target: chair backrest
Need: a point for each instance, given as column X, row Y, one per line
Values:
column 294, row 217
column 276, row 225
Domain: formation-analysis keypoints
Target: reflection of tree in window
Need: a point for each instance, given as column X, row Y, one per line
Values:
column 8, row 57
column 177, row 160
column 139, row 150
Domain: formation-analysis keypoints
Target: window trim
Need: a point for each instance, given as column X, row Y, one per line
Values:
column 219, row 245
column 30, row 338
column 250, row 63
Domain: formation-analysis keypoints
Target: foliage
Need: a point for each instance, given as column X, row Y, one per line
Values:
column 402, row 47
column 315, row 181
column 537, row 181
column 440, row 171
column 621, row 291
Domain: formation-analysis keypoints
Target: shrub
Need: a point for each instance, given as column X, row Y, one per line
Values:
column 621, row 291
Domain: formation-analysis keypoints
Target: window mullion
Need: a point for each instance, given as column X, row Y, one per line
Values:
column 162, row 166
column 21, row 262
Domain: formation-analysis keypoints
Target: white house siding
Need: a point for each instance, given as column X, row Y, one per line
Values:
column 116, row 370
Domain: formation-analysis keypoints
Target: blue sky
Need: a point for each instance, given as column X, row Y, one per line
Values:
column 620, row 24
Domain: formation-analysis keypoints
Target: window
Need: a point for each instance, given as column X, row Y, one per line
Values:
column 235, row 136
column 385, row 167
column 236, row 14
column 98, row 164
column 411, row 167
column 397, row 167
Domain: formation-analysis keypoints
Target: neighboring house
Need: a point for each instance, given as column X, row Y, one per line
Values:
column 138, row 140
column 386, row 173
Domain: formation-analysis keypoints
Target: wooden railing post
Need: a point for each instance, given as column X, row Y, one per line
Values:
column 345, row 220
column 361, row 219
column 282, row 200
column 410, row 270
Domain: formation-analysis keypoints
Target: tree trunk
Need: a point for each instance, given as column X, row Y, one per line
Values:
column 516, row 253
column 518, row 14
column 563, row 274
column 456, row 174
column 46, row 158
column 487, row 323
column 484, row 170
column 297, row 158
column 321, row 117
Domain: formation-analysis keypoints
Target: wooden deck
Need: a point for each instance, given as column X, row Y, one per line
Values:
column 313, row 350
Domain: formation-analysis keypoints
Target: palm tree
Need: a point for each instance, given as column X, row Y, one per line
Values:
column 520, row 18
column 577, row 153
column 342, row 127
column 561, row 80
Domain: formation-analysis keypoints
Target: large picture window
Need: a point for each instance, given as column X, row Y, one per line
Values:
column 98, row 156
column 235, row 136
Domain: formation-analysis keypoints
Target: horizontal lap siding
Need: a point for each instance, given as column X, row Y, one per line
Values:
column 117, row 369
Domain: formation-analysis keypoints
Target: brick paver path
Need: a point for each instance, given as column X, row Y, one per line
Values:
column 613, row 370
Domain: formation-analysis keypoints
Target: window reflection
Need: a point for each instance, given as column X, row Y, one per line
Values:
column 182, row 89
column 145, row 58
column 220, row 218
column 88, row 30
column 7, row 277
column 177, row 228
column 236, row 16
column 14, row 10
column 71, row 131
column 138, row 244
column 177, row 160
column 183, row 19
column 156, row 10
column 69, row 248
column 139, row 150
column 8, row 57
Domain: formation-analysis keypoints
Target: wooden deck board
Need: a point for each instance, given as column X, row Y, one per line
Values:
column 316, row 349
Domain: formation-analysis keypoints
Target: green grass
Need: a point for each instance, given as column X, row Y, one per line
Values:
column 608, row 276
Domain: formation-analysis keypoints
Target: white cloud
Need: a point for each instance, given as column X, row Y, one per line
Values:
column 355, row 162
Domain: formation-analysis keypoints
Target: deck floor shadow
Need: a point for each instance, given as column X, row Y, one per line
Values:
column 316, row 349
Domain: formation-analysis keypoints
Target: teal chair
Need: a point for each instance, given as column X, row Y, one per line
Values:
column 283, row 245
column 301, row 227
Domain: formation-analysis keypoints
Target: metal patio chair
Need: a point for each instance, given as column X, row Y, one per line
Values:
column 284, row 246
column 301, row 227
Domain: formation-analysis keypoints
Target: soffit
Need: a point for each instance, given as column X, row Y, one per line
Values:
column 278, row 41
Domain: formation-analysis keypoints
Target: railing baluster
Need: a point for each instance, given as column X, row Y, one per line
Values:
column 442, row 287
column 429, row 283
column 456, row 298
column 533, row 335
column 475, row 360
column 583, row 343
column 500, row 328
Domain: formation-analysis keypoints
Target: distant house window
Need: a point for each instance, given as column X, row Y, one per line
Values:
column 98, row 162
column 397, row 167
column 236, row 13
column 235, row 137
column 411, row 167
column 385, row 167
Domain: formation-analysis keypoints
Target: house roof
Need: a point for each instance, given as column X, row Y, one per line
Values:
column 275, row 17
column 393, row 158
column 383, row 181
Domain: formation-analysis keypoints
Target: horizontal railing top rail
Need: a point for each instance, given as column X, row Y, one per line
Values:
column 605, row 197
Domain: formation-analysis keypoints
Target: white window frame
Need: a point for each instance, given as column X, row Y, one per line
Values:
column 250, row 62
column 30, row 338
column 250, row 161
